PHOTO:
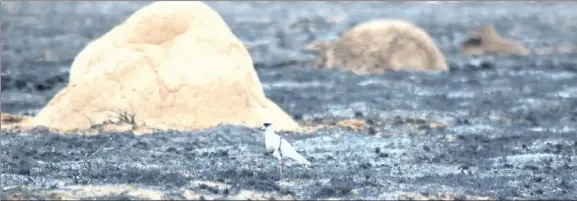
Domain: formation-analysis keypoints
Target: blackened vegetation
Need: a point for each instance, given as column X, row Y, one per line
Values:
column 474, row 163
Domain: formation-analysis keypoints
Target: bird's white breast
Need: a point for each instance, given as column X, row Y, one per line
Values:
column 272, row 141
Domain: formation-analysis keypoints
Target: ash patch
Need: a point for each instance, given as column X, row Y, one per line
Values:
column 513, row 164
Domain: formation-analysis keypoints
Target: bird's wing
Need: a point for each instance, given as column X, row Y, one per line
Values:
column 287, row 148
column 289, row 151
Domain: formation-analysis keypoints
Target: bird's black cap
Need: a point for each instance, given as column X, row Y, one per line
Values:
column 266, row 124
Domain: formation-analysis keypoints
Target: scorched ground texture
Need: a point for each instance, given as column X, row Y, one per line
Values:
column 509, row 125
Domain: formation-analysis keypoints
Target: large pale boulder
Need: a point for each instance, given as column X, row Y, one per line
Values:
column 381, row 45
column 487, row 41
column 174, row 65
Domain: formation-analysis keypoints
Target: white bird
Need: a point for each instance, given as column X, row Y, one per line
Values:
column 280, row 147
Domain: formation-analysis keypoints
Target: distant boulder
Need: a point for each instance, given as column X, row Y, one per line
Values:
column 171, row 65
column 379, row 46
column 488, row 41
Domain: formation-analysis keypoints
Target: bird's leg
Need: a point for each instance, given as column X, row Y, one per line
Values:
column 281, row 162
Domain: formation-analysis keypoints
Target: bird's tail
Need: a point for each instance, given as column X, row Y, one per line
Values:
column 302, row 160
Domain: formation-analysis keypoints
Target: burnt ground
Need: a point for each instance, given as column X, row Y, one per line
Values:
column 510, row 124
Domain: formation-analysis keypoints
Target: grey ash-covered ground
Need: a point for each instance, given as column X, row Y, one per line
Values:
column 511, row 124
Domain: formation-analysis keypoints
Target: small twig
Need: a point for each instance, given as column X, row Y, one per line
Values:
column 8, row 188
column 103, row 145
column 86, row 116
column 122, row 115
column 133, row 115
column 399, row 168
column 32, row 179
